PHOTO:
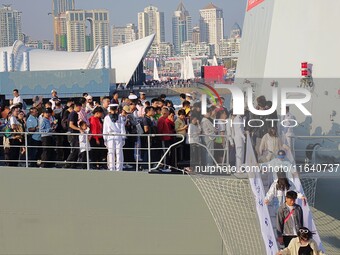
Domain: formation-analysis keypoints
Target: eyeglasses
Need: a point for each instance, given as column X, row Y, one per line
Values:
column 303, row 231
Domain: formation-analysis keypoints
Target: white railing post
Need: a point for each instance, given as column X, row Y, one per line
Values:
column 87, row 152
column 149, row 153
column 228, row 162
column 26, row 149
column 137, row 154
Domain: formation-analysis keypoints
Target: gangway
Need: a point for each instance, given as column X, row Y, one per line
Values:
column 259, row 187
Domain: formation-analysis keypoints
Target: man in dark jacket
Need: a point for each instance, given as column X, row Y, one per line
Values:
column 289, row 219
column 59, row 138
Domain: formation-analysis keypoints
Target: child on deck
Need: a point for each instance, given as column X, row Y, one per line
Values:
column 84, row 143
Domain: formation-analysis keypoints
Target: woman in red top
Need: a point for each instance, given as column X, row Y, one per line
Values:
column 97, row 141
column 162, row 126
column 170, row 123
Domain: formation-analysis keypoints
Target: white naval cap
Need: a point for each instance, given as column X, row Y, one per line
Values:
column 132, row 97
column 112, row 105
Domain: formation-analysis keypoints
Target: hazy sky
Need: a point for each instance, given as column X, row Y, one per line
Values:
column 38, row 24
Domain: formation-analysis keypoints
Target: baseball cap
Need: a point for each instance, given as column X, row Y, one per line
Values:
column 126, row 108
column 48, row 110
column 281, row 154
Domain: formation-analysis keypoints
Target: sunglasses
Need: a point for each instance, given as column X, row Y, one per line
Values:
column 303, row 231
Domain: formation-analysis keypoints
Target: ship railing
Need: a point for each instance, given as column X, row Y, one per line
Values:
column 205, row 151
column 310, row 144
column 25, row 147
column 152, row 163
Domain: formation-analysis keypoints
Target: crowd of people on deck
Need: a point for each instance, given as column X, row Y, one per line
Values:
column 118, row 133
column 112, row 132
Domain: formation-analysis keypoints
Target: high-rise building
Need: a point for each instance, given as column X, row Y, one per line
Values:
column 10, row 26
column 77, row 39
column 211, row 24
column 122, row 35
column 59, row 8
column 60, row 32
column 62, row 6
column 181, row 27
column 76, row 30
column 236, row 31
column 100, row 27
column 151, row 21
column 196, row 35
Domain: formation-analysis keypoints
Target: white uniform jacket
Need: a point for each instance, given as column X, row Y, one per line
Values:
column 111, row 129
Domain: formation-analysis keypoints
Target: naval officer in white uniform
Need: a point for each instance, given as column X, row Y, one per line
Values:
column 113, row 125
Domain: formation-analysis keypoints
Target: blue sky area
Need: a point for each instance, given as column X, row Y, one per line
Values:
column 38, row 24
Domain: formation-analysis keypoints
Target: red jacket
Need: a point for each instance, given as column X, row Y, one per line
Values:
column 165, row 126
column 96, row 127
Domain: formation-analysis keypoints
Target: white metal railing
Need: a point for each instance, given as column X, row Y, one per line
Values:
column 24, row 144
column 225, row 148
column 328, row 144
column 151, row 165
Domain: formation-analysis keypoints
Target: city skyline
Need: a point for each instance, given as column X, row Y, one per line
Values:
column 39, row 25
